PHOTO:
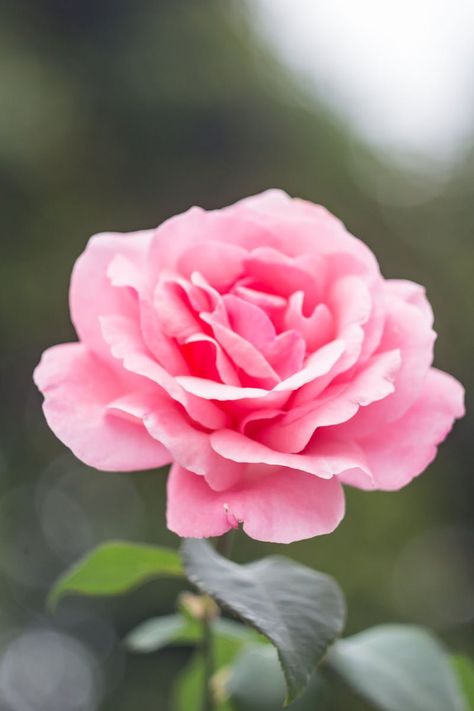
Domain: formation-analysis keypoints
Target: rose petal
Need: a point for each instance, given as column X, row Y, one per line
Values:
column 275, row 504
column 241, row 352
column 317, row 329
column 286, row 354
column 165, row 350
column 271, row 270
column 77, row 389
column 125, row 341
column 316, row 365
column 299, row 227
column 196, row 226
column 399, row 451
column 190, row 447
column 219, row 263
column 322, row 459
column 91, row 292
column 412, row 293
column 250, row 322
column 406, row 329
column 292, row 431
column 208, row 360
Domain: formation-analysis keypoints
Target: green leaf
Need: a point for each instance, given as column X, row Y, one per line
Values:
column 398, row 667
column 116, row 567
column 256, row 683
column 464, row 668
column 159, row 632
column 298, row 609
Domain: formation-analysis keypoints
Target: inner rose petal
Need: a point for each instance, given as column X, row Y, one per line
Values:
column 243, row 353
column 276, row 273
column 174, row 311
column 286, row 353
column 292, row 431
column 125, row 341
column 250, row 322
column 206, row 358
column 317, row 328
column 272, row 304
column 219, row 263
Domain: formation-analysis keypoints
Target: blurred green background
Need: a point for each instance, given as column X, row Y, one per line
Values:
column 113, row 116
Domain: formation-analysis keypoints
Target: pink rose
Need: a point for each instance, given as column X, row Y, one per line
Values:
column 260, row 350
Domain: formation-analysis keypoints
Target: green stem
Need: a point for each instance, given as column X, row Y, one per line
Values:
column 223, row 546
column 207, row 649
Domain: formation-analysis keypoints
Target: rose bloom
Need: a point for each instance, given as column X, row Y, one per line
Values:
column 259, row 349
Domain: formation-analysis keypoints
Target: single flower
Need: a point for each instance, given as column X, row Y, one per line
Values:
column 259, row 349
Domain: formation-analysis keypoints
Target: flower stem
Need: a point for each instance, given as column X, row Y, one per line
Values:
column 223, row 546
column 207, row 648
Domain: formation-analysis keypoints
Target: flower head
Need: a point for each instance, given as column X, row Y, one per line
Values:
column 258, row 349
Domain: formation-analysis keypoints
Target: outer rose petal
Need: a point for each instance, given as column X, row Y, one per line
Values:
column 275, row 504
column 292, row 431
column 125, row 340
column 407, row 329
column 300, row 227
column 91, row 293
column 196, row 226
column 412, row 293
column 77, row 389
column 321, row 459
column 191, row 447
column 401, row 450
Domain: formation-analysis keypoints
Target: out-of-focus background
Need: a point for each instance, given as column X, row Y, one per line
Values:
column 113, row 116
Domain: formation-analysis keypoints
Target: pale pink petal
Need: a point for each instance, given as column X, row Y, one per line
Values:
column 351, row 306
column 123, row 272
column 243, row 354
column 212, row 295
column 412, row 293
column 322, row 459
column 317, row 329
column 270, row 303
column 125, row 341
column 350, row 346
column 340, row 265
column 190, row 447
column 218, row 262
column 399, row 451
column 292, row 431
column 271, row 270
column 164, row 349
column 174, row 313
column 274, row 504
column 249, row 321
column 316, row 365
column 350, row 302
column 286, row 353
column 77, row 388
column 406, row 329
column 300, row 227
column 211, row 390
column 91, row 292
column 126, row 272
column 196, row 226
